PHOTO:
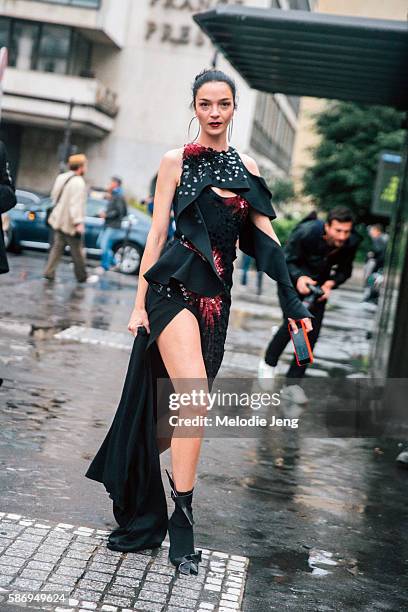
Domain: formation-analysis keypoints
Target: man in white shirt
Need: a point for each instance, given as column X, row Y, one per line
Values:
column 67, row 218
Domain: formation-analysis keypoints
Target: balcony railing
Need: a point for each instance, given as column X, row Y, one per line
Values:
column 43, row 98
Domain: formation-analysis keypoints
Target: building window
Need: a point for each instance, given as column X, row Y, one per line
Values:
column 54, row 47
column 272, row 134
column 4, row 32
column 45, row 47
column 95, row 4
column 80, row 56
column 299, row 5
column 23, row 44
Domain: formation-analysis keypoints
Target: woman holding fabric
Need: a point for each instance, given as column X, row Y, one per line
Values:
column 181, row 316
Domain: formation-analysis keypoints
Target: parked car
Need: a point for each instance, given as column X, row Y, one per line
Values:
column 25, row 227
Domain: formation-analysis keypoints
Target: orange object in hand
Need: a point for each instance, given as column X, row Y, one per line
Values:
column 303, row 350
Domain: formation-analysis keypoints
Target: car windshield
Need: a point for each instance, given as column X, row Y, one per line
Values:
column 28, row 200
column 94, row 207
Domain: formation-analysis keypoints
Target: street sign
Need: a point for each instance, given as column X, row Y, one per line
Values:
column 386, row 185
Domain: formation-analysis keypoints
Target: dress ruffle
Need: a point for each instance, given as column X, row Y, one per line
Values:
column 185, row 265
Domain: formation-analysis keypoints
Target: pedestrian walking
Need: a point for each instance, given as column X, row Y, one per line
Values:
column 172, row 224
column 149, row 204
column 320, row 258
column 245, row 265
column 379, row 239
column 374, row 265
column 7, row 201
column 114, row 214
column 67, row 218
column 180, row 319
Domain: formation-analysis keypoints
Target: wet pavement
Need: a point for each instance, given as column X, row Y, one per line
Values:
column 322, row 521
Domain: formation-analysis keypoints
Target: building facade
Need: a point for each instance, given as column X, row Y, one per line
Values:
column 122, row 71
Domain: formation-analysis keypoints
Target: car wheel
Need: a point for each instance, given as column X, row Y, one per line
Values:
column 127, row 257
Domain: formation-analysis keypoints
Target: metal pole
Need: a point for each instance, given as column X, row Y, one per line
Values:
column 66, row 143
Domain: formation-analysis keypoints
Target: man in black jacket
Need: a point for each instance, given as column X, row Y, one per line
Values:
column 7, row 201
column 113, row 215
column 321, row 254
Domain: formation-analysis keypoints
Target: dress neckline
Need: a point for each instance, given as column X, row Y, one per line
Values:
column 194, row 148
column 215, row 150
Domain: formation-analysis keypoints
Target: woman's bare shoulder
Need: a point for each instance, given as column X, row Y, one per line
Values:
column 250, row 163
column 173, row 156
column 172, row 162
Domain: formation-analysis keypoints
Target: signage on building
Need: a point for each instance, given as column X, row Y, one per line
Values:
column 386, row 185
column 164, row 28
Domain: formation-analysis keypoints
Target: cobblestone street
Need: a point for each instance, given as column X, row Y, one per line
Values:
column 286, row 522
column 72, row 567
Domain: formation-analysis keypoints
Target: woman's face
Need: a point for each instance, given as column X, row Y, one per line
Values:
column 214, row 106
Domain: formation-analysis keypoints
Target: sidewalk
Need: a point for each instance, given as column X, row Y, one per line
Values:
column 68, row 568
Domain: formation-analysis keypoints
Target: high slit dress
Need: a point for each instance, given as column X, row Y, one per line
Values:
column 194, row 271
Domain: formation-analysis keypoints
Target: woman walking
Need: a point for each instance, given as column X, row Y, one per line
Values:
column 181, row 316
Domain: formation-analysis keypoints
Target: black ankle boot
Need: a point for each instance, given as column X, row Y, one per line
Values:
column 181, row 535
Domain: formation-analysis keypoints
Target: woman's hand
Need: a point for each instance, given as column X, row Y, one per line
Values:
column 137, row 318
column 306, row 321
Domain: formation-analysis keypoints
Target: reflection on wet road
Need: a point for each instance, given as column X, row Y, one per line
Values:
column 322, row 520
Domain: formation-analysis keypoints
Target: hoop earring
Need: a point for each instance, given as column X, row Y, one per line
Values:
column 230, row 127
column 189, row 125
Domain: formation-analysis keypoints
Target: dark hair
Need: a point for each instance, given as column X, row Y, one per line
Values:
column 117, row 180
column 341, row 214
column 76, row 166
column 211, row 74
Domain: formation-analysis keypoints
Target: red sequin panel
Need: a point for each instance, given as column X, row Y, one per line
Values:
column 219, row 264
column 210, row 309
column 193, row 148
column 191, row 246
column 238, row 204
column 217, row 255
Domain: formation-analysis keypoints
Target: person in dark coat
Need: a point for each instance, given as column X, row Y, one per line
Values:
column 113, row 215
column 318, row 254
column 379, row 241
column 7, row 201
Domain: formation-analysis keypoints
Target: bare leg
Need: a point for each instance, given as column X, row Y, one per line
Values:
column 180, row 348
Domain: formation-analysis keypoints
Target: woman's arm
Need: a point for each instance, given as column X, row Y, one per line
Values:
column 260, row 220
column 167, row 179
column 263, row 223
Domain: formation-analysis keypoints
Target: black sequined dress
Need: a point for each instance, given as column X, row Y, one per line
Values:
column 223, row 217
column 194, row 271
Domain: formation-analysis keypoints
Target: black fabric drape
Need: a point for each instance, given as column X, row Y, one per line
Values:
column 128, row 461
